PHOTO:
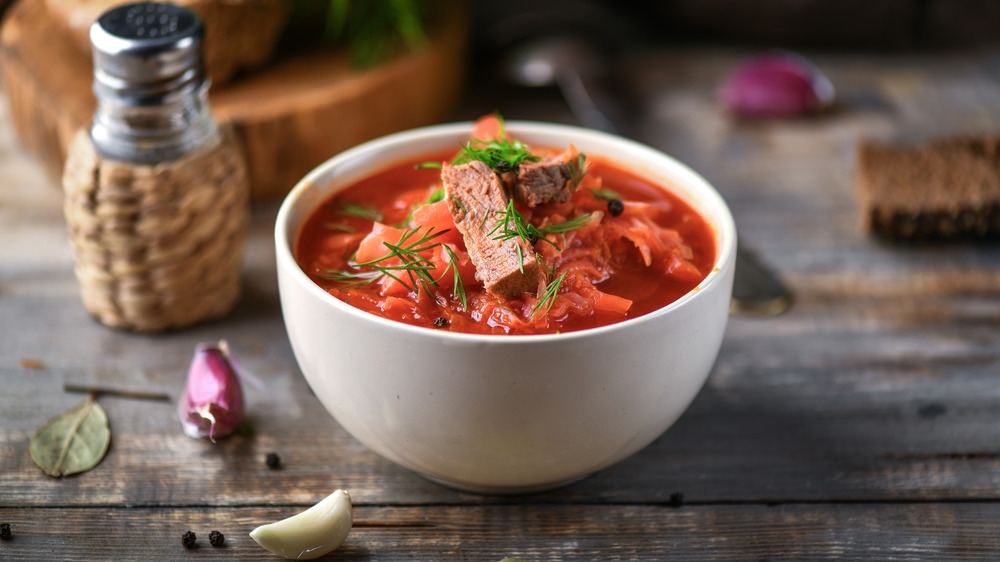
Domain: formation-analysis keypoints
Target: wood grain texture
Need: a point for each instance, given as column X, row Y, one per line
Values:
column 288, row 118
column 538, row 533
column 862, row 424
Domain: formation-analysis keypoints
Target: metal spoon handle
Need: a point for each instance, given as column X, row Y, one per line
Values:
column 757, row 291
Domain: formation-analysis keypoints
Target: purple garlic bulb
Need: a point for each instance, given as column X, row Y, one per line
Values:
column 212, row 405
column 776, row 84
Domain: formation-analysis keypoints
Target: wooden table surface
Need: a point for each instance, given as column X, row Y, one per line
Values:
column 864, row 423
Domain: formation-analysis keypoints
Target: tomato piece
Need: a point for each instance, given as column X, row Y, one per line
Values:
column 373, row 247
column 437, row 216
column 487, row 127
column 610, row 303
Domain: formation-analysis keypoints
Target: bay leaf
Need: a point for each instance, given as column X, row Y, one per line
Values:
column 74, row 441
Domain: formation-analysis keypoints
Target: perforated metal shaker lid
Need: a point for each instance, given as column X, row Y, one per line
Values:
column 150, row 83
column 146, row 50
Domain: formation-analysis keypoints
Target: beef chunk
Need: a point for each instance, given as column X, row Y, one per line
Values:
column 477, row 202
column 547, row 181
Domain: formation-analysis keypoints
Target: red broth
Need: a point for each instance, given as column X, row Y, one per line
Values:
column 617, row 267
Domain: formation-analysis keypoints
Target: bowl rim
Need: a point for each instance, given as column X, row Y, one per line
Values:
column 725, row 224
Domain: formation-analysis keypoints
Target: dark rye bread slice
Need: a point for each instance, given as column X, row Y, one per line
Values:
column 477, row 202
column 949, row 188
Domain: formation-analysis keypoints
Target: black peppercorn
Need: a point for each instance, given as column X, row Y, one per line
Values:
column 5, row 533
column 188, row 539
column 441, row 322
column 216, row 538
column 503, row 166
column 676, row 499
column 273, row 460
column 616, row 207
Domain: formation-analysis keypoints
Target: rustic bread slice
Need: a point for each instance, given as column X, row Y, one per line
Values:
column 949, row 188
column 239, row 34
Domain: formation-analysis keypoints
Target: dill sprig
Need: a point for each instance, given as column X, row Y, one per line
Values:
column 503, row 155
column 578, row 168
column 605, row 193
column 339, row 226
column 548, row 296
column 435, row 196
column 352, row 209
column 459, row 289
column 414, row 267
column 512, row 224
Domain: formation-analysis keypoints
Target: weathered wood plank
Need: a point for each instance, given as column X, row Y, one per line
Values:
column 867, row 417
column 538, row 533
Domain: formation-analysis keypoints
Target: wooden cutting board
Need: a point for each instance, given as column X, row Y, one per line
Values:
column 289, row 117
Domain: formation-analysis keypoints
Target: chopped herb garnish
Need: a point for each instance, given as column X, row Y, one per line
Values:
column 342, row 227
column 351, row 209
column 606, row 194
column 436, row 195
column 567, row 226
column 415, row 267
column 501, row 155
column 423, row 165
column 459, row 289
column 578, row 168
column 548, row 296
column 513, row 224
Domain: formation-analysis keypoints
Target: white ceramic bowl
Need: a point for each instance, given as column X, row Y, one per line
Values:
column 503, row 414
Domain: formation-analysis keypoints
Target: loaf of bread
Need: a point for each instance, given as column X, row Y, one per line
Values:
column 239, row 34
column 942, row 189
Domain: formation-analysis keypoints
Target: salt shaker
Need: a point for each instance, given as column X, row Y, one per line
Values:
column 156, row 194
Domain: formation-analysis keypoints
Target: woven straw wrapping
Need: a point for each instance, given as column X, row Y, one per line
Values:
column 157, row 246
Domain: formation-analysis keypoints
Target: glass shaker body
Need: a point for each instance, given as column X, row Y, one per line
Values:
column 156, row 194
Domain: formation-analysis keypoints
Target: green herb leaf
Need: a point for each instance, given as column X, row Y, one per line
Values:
column 74, row 441
column 548, row 296
column 606, row 194
column 502, row 155
column 459, row 289
column 351, row 209
column 422, row 165
column 436, row 196
column 513, row 224
column 340, row 227
column 414, row 266
column 578, row 168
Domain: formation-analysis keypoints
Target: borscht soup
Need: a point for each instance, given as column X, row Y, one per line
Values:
column 499, row 237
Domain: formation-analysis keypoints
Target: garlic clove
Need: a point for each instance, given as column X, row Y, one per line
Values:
column 310, row 534
column 776, row 84
column 212, row 405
